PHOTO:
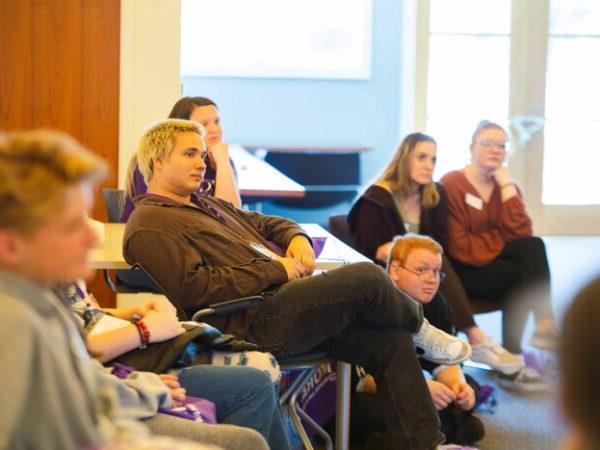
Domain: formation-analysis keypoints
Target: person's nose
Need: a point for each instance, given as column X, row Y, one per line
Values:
column 91, row 236
column 201, row 163
column 213, row 129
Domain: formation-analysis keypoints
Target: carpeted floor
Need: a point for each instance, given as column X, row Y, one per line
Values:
column 522, row 421
column 527, row 421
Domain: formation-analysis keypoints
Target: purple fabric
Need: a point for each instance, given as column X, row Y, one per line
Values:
column 121, row 370
column 139, row 187
column 194, row 408
column 207, row 187
column 318, row 398
column 318, row 245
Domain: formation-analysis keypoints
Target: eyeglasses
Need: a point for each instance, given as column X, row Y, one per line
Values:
column 422, row 272
column 487, row 143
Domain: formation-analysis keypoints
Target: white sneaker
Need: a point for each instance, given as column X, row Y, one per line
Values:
column 525, row 380
column 496, row 356
column 440, row 347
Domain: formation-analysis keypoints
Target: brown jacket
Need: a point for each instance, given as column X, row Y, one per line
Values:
column 202, row 254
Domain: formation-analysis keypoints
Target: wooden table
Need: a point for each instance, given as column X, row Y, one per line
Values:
column 109, row 255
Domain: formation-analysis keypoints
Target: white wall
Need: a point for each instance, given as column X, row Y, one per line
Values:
column 150, row 74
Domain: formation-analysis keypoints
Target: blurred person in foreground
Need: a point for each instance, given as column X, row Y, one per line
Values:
column 55, row 396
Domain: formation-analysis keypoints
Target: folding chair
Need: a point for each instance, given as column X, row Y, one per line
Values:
column 308, row 363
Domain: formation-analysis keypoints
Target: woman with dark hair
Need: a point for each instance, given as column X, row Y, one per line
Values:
column 404, row 198
column 493, row 250
column 220, row 177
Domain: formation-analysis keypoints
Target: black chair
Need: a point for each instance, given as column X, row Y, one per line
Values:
column 308, row 363
column 125, row 280
column 114, row 200
column 338, row 226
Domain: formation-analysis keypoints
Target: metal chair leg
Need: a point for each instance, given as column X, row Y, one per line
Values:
column 342, row 418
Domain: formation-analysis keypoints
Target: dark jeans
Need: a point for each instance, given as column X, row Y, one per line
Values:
column 456, row 296
column 519, row 278
column 356, row 314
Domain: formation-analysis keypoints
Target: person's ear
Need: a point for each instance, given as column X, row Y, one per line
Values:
column 157, row 164
column 11, row 248
column 393, row 271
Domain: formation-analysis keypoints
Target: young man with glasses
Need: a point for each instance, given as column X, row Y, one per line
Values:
column 415, row 265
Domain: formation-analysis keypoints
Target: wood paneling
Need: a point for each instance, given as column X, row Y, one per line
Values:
column 59, row 68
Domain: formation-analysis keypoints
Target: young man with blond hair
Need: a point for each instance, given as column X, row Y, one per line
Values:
column 202, row 250
column 54, row 396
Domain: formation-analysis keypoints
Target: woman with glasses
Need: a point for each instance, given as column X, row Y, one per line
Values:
column 492, row 249
column 404, row 198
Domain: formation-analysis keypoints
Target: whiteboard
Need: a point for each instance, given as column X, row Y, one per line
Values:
column 276, row 38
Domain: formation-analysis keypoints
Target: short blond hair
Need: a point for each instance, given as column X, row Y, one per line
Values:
column 158, row 141
column 402, row 246
column 36, row 168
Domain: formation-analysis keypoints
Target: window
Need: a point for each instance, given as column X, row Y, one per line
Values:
column 527, row 64
column 274, row 38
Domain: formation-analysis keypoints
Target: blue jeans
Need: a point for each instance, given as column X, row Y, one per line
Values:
column 356, row 314
column 243, row 396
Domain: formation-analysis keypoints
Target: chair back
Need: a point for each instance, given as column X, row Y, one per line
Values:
column 114, row 200
column 338, row 226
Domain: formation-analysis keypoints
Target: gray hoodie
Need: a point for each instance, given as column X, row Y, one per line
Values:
column 53, row 395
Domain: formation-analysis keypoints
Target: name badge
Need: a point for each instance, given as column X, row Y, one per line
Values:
column 473, row 201
column 264, row 250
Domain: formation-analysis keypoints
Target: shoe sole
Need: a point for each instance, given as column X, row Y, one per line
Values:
column 506, row 370
column 523, row 388
column 542, row 344
column 450, row 362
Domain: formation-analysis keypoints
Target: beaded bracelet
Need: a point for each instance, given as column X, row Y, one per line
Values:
column 508, row 184
column 144, row 333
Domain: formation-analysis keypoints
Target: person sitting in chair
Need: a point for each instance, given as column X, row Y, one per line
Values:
column 54, row 395
column 202, row 250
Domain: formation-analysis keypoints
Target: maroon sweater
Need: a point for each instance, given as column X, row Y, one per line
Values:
column 477, row 236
